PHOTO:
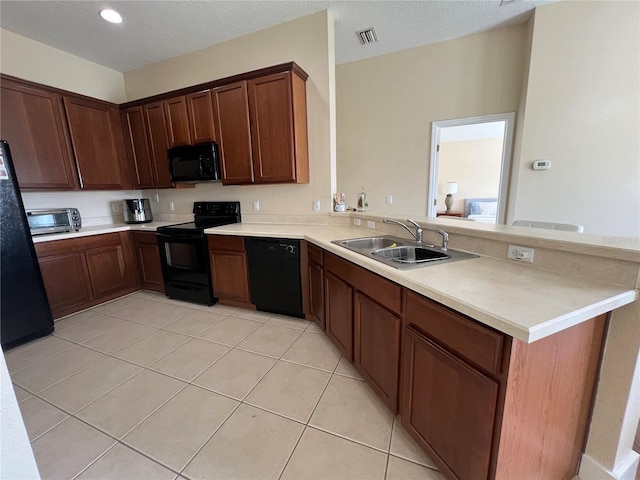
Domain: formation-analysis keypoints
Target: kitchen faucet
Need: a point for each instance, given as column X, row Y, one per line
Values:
column 417, row 235
column 445, row 239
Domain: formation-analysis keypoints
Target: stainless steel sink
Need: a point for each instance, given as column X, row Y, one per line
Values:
column 402, row 253
column 412, row 254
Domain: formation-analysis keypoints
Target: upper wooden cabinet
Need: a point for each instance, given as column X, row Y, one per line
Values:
column 33, row 123
column 158, row 143
column 233, row 131
column 98, row 144
column 200, row 114
column 177, row 119
column 133, row 122
column 278, row 112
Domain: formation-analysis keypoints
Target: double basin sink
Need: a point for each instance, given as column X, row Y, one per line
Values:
column 402, row 253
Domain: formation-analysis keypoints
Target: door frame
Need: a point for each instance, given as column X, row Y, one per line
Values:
column 505, row 169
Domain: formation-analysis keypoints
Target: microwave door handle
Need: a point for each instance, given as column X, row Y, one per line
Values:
column 200, row 170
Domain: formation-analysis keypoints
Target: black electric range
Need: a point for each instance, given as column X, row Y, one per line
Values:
column 184, row 254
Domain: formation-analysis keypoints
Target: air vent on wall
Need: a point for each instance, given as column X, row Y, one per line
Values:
column 367, row 36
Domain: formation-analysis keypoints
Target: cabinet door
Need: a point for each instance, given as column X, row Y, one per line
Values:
column 33, row 124
column 138, row 147
column 177, row 119
column 316, row 293
column 231, row 109
column 158, row 144
column 377, row 348
column 66, row 280
column 230, row 278
column 107, row 270
column 448, row 406
column 339, row 314
column 98, row 144
column 200, row 117
column 149, row 265
column 271, row 114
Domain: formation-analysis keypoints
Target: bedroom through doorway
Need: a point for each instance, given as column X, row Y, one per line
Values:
column 470, row 160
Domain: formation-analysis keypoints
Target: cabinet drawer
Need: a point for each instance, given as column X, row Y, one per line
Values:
column 386, row 293
column 480, row 345
column 226, row 242
column 315, row 254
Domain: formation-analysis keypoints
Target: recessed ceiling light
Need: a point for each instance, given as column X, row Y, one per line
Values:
column 111, row 15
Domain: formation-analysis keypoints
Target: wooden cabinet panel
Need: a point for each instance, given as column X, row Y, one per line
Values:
column 479, row 344
column 149, row 264
column 177, row 119
column 339, row 314
column 98, row 144
column 66, row 280
column 316, row 293
column 226, row 242
column 233, row 132
column 33, row 123
column 137, row 147
column 158, row 144
column 377, row 348
column 230, row 277
column 200, row 117
column 107, row 270
column 449, row 407
column 272, row 128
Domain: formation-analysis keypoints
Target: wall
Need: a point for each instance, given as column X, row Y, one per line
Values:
column 582, row 112
column 475, row 165
column 385, row 106
column 35, row 61
column 309, row 42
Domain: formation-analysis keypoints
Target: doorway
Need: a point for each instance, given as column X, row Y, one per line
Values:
column 470, row 159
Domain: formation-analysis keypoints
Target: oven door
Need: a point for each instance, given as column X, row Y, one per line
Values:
column 184, row 258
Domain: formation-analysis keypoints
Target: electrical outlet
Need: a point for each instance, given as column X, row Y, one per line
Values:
column 256, row 205
column 371, row 224
column 389, row 199
column 357, row 222
column 172, row 207
column 316, row 205
column 115, row 207
column 522, row 254
column 156, row 197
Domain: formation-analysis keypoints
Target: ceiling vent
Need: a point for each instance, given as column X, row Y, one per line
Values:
column 367, row 36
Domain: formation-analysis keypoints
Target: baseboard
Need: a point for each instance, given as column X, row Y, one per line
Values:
column 591, row 469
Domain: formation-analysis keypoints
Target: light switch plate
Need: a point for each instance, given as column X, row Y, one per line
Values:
column 371, row 224
column 115, row 207
column 256, row 205
column 389, row 199
column 357, row 222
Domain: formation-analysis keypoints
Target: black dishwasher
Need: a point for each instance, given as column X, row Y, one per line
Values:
column 274, row 275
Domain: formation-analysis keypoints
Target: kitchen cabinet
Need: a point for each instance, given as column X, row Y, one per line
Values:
column 135, row 131
column 158, row 143
column 97, row 140
column 229, row 270
column 200, row 112
column 177, row 119
column 233, row 131
column 148, row 257
column 34, row 124
column 278, row 112
column 315, row 279
column 485, row 405
column 367, row 331
column 82, row 272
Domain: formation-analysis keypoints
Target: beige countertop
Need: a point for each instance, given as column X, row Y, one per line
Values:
column 520, row 300
column 100, row 229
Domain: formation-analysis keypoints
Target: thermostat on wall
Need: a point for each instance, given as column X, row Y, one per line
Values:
column 541, row 165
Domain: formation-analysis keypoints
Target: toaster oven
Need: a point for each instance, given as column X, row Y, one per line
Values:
column 53, row 220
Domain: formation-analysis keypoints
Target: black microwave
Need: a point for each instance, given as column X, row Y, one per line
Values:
column 197, row 163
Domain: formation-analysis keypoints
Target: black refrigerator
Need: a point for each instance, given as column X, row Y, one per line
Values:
column 24, row 307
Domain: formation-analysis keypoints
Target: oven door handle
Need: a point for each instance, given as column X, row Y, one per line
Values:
column 179, row 236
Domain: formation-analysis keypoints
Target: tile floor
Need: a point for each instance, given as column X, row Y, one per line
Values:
column 145, row 387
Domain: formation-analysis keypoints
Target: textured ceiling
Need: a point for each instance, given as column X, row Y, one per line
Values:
column 156, row 30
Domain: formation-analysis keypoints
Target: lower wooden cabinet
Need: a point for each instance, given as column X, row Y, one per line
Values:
column 449, row 405
column 339, row 314
column 377, row 348
column 229, row 270
column 82, row 272
column 149, row 264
